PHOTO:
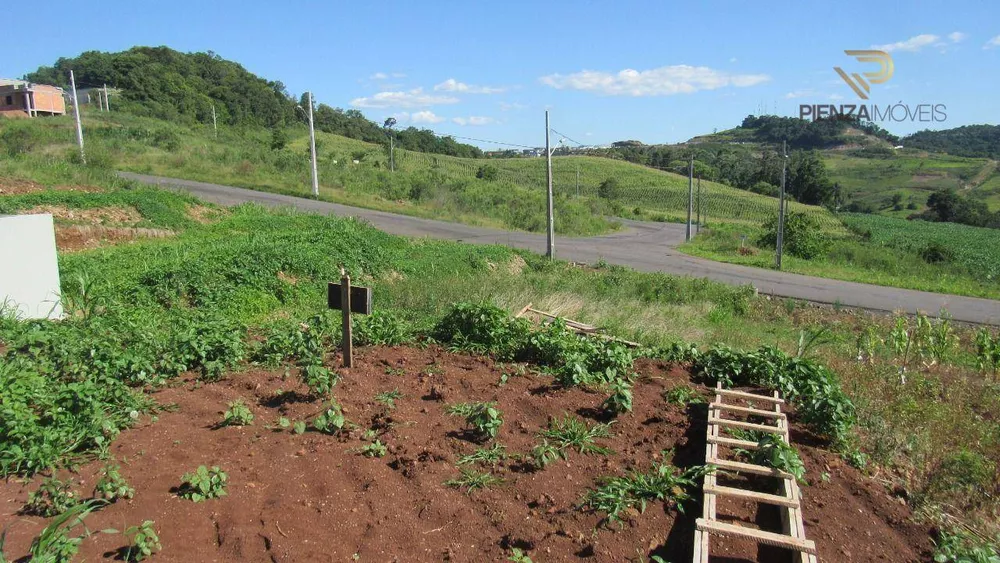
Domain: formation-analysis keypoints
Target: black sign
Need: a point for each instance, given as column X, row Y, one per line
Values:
column 361, row 298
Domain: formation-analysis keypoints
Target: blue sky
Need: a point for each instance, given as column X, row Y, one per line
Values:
column 655, row 71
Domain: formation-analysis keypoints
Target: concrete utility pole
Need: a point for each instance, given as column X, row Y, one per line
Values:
column 550, row 249
column 781, row 209
column 312, row 147
column 687, row 231
column 76, row 113
column 388, row 124
column 107, row 102
column 215, row 125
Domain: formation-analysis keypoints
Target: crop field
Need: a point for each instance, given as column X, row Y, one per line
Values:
column 192, row 405
column 495, row 192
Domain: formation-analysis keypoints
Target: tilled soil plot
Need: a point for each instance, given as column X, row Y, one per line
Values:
column 314, row 497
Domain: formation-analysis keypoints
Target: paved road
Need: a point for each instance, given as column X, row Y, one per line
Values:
column 644, row 246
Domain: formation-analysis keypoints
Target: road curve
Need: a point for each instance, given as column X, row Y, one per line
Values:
column 644, row 246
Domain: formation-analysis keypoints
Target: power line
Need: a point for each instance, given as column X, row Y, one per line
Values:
column 487, row 141
column 568, row 138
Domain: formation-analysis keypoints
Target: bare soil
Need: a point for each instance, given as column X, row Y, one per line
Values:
column 11, row 186
column 73, row 238
column 313, row 497
column 110, row 216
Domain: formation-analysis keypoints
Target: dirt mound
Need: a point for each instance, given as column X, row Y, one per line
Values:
column 127, row 216
column 313, row 497
column 11, row 186
column 204, row 214
column 72, row 238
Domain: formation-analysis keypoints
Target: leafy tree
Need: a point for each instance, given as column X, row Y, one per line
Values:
column 278, row 139
column 807, row 179
column 608, row 189
column 802, row 238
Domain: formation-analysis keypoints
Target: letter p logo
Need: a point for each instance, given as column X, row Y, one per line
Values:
column 856, row 82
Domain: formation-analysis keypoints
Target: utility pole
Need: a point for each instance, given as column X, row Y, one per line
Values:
column 215, row 125
column 687, row 231
column 107, row 102
column 781, row 209
column 698, row 222
column 388, row 125
column 76, row 113
column 550, row 248
column 312, row 147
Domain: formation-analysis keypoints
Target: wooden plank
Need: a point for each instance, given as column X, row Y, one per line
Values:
column 769, row 538
column 744, row 425
column 753, row 495
column 733, row 442
column 746, row 410
column 745, row 395
column 727, row 465
column 523, row 311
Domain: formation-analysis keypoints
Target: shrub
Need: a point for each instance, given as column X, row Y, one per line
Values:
column 51, row 498
column 803, row 236
column 112, row 486
column 484, row 418
column 608, row 189
column 381, row 328
column 487, row 172
column 936, row 253
column 482, row 328
column 961, row 478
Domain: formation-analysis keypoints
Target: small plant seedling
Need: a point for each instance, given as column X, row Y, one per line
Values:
column 144, row 541
column 484, row 418
column 517, row 555
column 331, row 420
column 239, row 414
column 620, row 399
column 398, row 372
column 545, row 453
column 683, row 395
column 112, row 486
column 491, row 455
column 299, row 427
column 318, row 379
column 203, row 483
column 388, row 398
column 52, row 498
column 432, row 369
column 374, row 449
column 664, row 483
column 570, row 432
column 53, row 544
column 470, row 480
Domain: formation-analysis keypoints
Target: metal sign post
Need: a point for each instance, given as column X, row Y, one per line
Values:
column 349, row 300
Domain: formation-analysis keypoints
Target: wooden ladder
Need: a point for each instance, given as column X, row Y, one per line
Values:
column 788, row 499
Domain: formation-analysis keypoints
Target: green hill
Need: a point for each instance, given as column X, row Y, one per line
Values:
column 495, row 192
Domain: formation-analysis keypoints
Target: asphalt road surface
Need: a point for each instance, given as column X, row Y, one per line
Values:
column 644, row 246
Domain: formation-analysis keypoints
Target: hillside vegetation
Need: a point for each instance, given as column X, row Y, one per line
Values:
column 495, row 192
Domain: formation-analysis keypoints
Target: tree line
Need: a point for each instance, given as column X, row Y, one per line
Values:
column 166, row 84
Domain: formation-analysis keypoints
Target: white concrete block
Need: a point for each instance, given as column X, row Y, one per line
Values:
column 29, row 270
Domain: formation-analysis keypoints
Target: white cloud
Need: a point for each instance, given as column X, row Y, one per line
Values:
column 474, row 120
column 913, row 44
column 957, row 36
column 408, row 99
column 995, row 42
column 511, row 106
column 663, row 81
column 378, row 76
column 798, row 94
column 733, row 59
column 426, row 116
column 836, row 97
column 452, row 85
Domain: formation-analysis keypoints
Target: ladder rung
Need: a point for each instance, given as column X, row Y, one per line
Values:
column 745, row 395
column 776, row 500
column 744, row 425
column 769, row 538
column 747, row 410
column 727, row 465
column 731, row 442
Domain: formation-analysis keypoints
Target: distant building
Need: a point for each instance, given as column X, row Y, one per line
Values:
column 19, row 98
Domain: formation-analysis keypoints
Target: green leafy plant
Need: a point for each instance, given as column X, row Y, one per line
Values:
column 620, row 399
column 988, row 351
column 683, row 395
column 545, row 453
column 488, row 456
column 571, row 433
column 471, row 480
column 484, row 418
column 203, row 484
column 53, row 544
column 381, row 328
column 144, row 541
column 482, row 328
column 772, row 451
column 389, row 398
column 664, row 483
column 319, row 379
column 961, row 546
column 51, row 498
column 517, row 555
column 238, row 414
column 112, row 486
column 374, row 449
column 331, row 420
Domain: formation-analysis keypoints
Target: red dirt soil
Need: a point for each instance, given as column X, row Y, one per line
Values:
column 11, row 186
column 313, row 497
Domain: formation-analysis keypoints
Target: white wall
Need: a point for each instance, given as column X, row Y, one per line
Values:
column 29, row 272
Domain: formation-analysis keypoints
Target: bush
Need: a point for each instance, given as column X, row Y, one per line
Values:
column 381, row 328
column 482, row 328
column 803, row 237
column 487, row 172
column 936, row 253
column 608, row 189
